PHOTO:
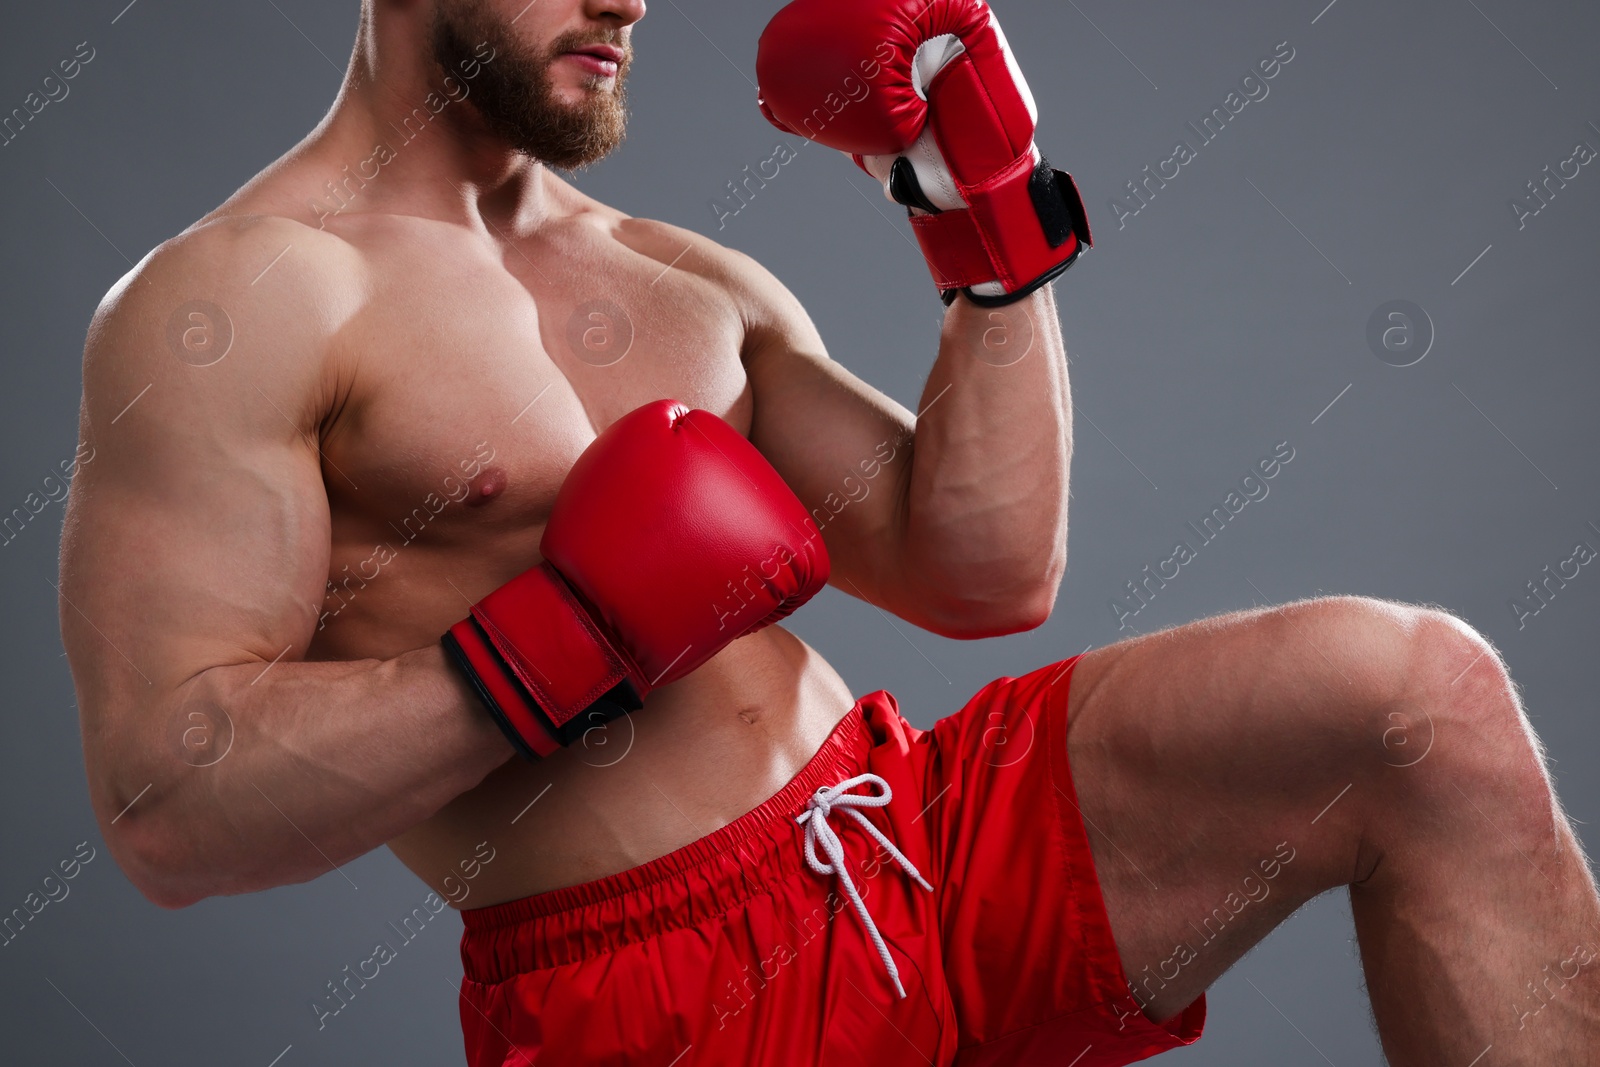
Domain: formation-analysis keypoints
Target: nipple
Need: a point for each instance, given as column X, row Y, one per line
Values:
column 485, row 487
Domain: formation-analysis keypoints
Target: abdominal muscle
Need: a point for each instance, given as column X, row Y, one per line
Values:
column 702, row 752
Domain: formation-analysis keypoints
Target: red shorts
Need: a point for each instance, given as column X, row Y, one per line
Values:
column 733, row 950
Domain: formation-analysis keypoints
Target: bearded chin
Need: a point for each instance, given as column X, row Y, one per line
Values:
column 514, row 94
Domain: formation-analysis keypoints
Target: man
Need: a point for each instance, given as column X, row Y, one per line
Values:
column 332, row 419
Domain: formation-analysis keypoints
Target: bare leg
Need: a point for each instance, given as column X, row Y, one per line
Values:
column 1233, row 769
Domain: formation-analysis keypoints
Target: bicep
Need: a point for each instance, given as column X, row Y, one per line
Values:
column 190, row 552
column 845, row 449
column 198, row 534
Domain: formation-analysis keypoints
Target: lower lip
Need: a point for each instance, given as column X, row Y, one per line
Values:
column 606, row 68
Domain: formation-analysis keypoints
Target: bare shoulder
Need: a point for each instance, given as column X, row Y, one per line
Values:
column 771, row 313
column 242, row 262
column 254, row 298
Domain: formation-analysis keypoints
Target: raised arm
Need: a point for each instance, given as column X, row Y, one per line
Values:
column 955, row 520
column 194, row 559
column 931, row 103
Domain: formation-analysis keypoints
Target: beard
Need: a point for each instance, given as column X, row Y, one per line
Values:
column 514, row 93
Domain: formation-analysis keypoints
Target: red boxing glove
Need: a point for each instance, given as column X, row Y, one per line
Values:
column 670, row 538
column 927, row 98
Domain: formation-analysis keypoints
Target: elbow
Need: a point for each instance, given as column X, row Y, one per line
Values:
column 151, row 852
column 147, row 810
column 1028, row 613
column 169, row 899
column 152, row 860
column 973, row 618
column 1007, row 593
column 979, row 621
column 169, row 892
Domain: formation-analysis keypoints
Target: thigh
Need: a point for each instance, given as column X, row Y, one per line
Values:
column 1224, row 771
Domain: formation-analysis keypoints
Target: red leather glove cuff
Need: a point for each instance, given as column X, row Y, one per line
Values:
column 539, row 662
column 1022, row 228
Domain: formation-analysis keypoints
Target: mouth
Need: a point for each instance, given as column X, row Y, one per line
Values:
column 600, row 59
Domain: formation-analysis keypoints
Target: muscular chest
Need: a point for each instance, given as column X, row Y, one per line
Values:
column 475, row 382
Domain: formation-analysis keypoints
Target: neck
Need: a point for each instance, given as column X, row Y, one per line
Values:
column 403, row 132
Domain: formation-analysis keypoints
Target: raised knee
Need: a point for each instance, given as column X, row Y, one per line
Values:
column 1377, row 652
column 1392, row 651
column 1455, row 712
column 1412, row 714
column 1459, row 756
column 1455, row 673
column 1408, row 678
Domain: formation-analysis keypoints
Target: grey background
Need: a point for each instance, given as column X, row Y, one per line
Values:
column 1203, row 333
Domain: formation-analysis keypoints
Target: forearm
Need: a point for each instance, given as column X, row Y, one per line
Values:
column 245, row 778
column 984, row 526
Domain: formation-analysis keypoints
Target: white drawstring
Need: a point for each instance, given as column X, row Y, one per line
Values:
column 815, row 819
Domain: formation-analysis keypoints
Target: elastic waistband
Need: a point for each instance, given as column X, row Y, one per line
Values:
column 687, row 886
